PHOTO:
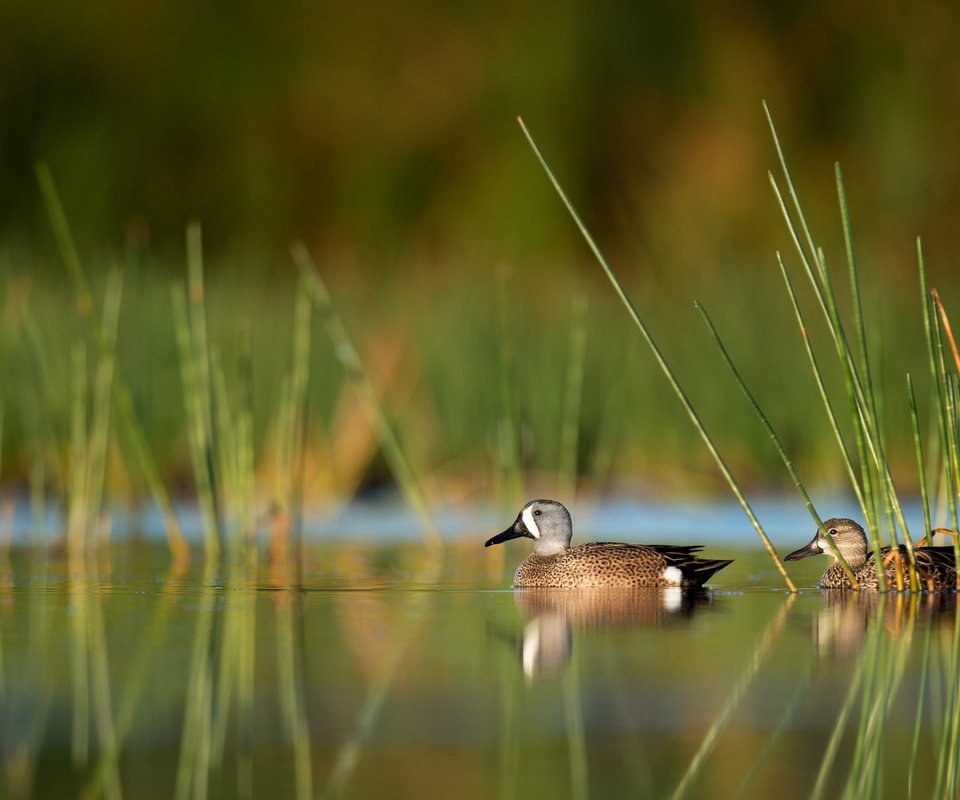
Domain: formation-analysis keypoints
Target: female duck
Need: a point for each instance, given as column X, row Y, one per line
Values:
column 936, row 568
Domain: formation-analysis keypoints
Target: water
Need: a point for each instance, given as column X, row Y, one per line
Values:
column 387, row 672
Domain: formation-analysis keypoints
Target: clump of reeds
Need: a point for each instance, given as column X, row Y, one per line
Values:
column 867, row 465
column 866, row 462
column 662, row 363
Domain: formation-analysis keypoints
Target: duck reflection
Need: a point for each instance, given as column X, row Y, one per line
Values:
column 841, row 625
column 552, row 614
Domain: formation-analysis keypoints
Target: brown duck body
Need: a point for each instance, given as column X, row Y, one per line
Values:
column 936, row 570
column 616, row 565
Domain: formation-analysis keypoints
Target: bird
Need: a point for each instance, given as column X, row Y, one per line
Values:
column 555, row 564
column 936, row 568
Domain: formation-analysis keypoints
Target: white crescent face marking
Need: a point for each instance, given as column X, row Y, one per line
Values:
column 530, row 522
column 672, row 576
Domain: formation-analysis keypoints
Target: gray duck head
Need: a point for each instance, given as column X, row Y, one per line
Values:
column 848, row 536
column 547, row 522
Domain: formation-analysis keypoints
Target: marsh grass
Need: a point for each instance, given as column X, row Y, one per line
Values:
column 662, row 363
column 357, row 374
column 121, row 395
column 878, row 676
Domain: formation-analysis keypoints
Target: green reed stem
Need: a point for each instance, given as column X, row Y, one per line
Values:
column 227, row 445
column 932, row 338
column 866, row 774
column 197, row 434
column 953, row 414
column 350, row 751
column 661, row 361
column 860, row 331
column 787, row 461
column 349, row 359
column 760, row 651
column 836, row 735
column 821, row 388
column 102, row 395
column 103, row 716
column 860, row 389
column 948, row 760
column 179, row 549
column 292, row 688
column 950, row 424
column 246, row 456
column 77, row 513
column 572, row 401
column 300, row 395
column 576, row 737
column 607, row 438
column 79, row 675
column 918, row 448
column 947, row 442
column 783, row 725
column 193, row 766
column 509, row 449
column 38, row 503
column 510, row 738
column 855, row 297
column 199, row 352
column 921, row 704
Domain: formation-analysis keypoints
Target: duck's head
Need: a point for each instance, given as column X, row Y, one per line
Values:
column 547, row 522
column 847, row 535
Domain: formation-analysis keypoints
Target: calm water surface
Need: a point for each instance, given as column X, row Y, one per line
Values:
column 385, row 672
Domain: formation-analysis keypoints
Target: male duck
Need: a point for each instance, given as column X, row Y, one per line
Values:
column 554, row 564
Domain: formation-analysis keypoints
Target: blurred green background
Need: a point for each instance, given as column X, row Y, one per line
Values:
column 385, row 137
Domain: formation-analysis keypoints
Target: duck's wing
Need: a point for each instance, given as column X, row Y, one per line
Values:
column 934, row 559
column 671, row 552
column 696, row 571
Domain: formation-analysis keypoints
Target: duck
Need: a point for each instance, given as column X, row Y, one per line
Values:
column 555, row 564
column 936, row 567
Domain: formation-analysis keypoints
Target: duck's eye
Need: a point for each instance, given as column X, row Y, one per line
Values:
column 536, row 512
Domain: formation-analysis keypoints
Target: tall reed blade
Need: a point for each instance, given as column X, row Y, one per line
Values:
column 877, row 482
column 201, row 360
column 931, row 326
column 197, row 434
column 350, row 360
column 661, row 361
column 918, row 449
column 77, row 512
column 572, row 400
column 787, row 462
column 821, row 388
column 948, row 331
column 508, row 446
column 123, row 397
column 102, row 400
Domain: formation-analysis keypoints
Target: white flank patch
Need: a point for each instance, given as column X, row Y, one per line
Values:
column 672, row 598
column 530, row 522
column 672, row 576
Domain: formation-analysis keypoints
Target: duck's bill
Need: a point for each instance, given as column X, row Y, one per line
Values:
column 515, row 531
column 812, row 549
